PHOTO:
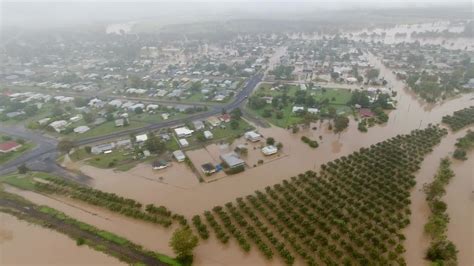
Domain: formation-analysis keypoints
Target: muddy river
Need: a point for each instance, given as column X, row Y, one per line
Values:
column 22, row 243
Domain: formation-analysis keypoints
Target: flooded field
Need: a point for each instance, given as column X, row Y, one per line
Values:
column 22, row 243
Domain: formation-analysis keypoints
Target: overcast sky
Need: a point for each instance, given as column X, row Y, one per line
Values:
column 41, row 13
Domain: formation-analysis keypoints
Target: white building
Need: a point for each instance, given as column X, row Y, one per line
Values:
column 183, row 143
column 313, row 110
column 81, row 129
column 116, row 103
column 297, row 109
column 179, row 156
column 208, row 134
column 252, row 136
column 141, row 138
column 269, row 150
column 183, row 132
column 106, row 147
column 59, row 125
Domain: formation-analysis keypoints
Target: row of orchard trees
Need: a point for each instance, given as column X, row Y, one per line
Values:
column 111, row 201
column 460, row 119
column 352, row 212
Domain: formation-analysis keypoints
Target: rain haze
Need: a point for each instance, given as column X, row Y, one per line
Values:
column 237, row 133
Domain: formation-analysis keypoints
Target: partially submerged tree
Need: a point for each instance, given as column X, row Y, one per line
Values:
column 183, row 243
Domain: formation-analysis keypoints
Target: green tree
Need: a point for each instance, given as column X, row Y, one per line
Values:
column 65, row 145
column 236, row 114
column 22, row 169
column 183, row 243
column 340, row 123
column 270, row 141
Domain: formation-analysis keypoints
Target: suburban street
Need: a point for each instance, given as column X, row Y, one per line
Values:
column 43, row 156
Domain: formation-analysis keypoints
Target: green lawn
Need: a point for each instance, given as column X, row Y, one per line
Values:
column 289, row 118
column 106, row 128
column 20, row 181
column 337, row 98
column 111, row 160
column 15, row 154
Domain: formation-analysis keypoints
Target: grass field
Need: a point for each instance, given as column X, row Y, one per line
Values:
column 106, row 128
column 336, row 97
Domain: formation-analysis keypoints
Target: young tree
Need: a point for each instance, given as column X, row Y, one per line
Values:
column 183, row 242
column 65, row 145
column 22, row 169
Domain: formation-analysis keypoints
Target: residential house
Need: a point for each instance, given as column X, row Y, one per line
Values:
column 269, row 150
column 213, row 121
column 198, row 125
column 208, row 134
column 9, row 146
column 232, row 160
column 252, row 136
column 102, row 148
column 183, row 143
column 59, row 125
column 81, row 129
column 179, row 156
column 183, row 132
column 208, row 168
column 141, row 138
column 224, row 118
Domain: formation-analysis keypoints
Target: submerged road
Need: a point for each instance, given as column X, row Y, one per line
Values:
column 43, row 156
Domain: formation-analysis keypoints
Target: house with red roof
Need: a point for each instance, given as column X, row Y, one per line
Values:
column 366, row 112
column 224, row 118
column 9, row 146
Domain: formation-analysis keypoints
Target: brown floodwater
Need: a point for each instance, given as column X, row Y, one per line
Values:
column 179, row 190
column 22, row 243
column 460, row 200
column 458, row 191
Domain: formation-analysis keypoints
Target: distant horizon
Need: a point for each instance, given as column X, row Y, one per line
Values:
column 40, row 14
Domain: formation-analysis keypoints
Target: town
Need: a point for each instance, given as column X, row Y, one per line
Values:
column 257, row 142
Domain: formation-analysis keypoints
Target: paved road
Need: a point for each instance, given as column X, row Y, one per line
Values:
column 43, row 156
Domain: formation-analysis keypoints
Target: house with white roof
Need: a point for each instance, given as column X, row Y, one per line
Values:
column 117, row 103
column 297, row 109
column 183, row 132
column 59, row 125
column 269, row 150
column 141, row 138
column 252, row 136
column 179, row 156
column 81, row 129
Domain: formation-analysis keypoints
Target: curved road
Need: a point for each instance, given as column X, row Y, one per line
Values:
column 43, row 156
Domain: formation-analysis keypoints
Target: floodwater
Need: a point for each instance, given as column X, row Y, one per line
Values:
column 460, row 200
column 152, row 237
column 457, row 198
column 391, row 36
column 22, row 243
column 181, row 192
column 410, row 114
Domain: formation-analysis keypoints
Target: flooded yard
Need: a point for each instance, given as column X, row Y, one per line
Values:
column 22, row 243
